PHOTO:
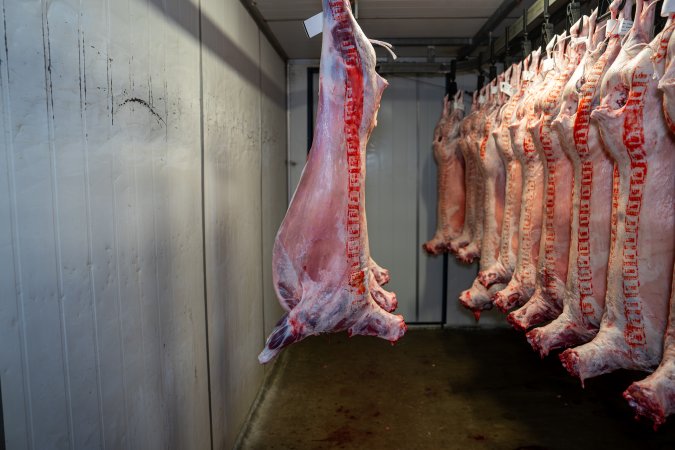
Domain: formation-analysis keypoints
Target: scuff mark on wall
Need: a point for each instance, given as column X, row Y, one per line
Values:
column 140, row 101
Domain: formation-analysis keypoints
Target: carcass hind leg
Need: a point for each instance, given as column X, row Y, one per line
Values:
column 381, row 275
column 606, row 353
column 494, row 274
column 538, row 310
column 282, row 336
column 375, row 321
column 435, row 246
column 654, row 397
column 476, row 299
column 510, row 297
column 386, row 300
column 560, row 333
column 469, row 253
column 458, row 243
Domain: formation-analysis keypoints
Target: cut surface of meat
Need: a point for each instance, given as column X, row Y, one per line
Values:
column 321, row 262
column 643, row 242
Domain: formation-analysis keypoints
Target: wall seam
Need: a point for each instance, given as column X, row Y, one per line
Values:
column 203, row 208
column 49, row 97
column 262, row 193
column 16, row 247
column 417, row 199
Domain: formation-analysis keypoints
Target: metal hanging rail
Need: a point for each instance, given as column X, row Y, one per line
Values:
column 534, row 16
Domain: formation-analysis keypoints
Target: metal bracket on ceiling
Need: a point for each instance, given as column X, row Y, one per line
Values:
column 573, row 12
column 507, row 48
column 547, row 26
column 527, row 47
column 493, row 68
column 431, row 53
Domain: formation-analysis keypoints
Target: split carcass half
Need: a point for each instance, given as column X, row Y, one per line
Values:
column 467, row 250
column 478, row 297
column 450, row 177
column 470, row 186
column 321, row 261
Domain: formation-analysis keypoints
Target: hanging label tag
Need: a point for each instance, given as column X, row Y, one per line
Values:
column 506, row 88
column 494, row 89
column 547, row 65
column 458, row 105
column 612, row 27
column 667, row 8
column 625, row 26
column 528, row 75
column 481, row 99
column 314, row 25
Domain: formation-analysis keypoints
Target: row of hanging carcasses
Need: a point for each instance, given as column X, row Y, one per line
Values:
column 561, row 180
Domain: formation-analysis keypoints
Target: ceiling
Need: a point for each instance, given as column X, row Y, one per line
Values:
column 386, row 19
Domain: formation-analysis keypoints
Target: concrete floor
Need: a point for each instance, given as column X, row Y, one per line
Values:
column 452, row 389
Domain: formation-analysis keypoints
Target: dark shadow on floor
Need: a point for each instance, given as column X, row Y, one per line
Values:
column 453, row 389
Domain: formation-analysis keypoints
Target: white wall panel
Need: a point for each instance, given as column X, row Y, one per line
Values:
column 430, row 92
column 391, row 191
column 274, row 172
column 102, row 299
column 233, row 208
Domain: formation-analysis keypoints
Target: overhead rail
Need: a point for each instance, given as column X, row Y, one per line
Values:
column 531, row 18
column 501, row 13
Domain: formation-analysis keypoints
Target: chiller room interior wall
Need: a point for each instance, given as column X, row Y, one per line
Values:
column 142, row 180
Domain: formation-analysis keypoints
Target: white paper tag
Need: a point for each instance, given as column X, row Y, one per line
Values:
column 612, row 27
column 667, row 8
column 506, row 88
column 528, row 75
column 494, row 89
column 458, row 105
column 314, row 25
column 624, row 26
column 547, row 65
column 481, row 99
